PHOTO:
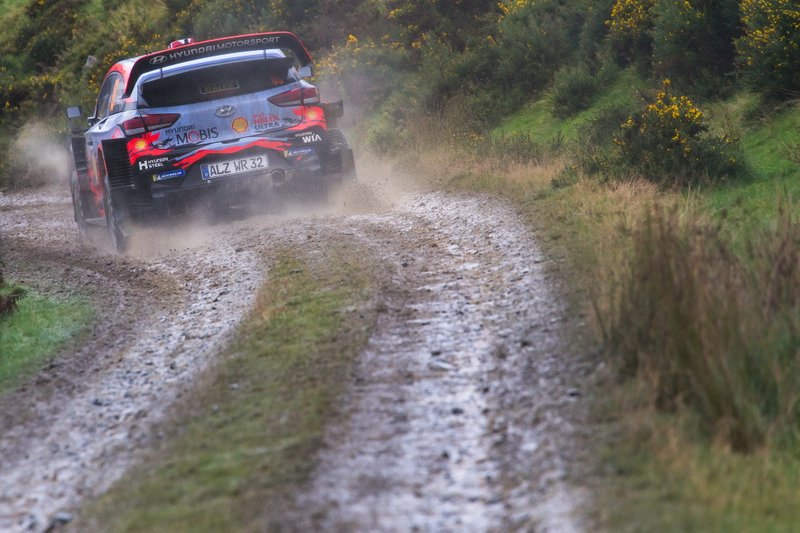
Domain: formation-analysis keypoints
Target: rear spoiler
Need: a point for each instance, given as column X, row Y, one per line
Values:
column 214, row 47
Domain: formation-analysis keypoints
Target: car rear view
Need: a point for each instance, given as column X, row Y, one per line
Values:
column 212, row 124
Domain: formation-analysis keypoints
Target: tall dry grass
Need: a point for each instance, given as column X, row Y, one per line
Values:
column 713, row 327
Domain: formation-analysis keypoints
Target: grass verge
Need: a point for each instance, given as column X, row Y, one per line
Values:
column 35, row 333
column 245, row 440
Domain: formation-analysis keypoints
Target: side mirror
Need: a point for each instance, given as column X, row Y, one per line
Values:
column 74, row 112
column 306, row 71
column 75, row 117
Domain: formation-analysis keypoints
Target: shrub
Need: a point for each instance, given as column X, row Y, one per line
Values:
column 693, row 42
column 629, row 25
column 667, row 141
column 537, row 38
column 595, row 152
column 769, row 50
column 574, row 89
column 713, row 329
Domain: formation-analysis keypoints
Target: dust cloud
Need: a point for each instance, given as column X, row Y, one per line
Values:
column 39, row 157
column 379, row 187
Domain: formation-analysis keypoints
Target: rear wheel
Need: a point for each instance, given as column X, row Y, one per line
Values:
column 77, row 206
column 341, row 152
column 119, row 240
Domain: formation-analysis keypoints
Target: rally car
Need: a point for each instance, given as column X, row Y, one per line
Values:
column 203, row 123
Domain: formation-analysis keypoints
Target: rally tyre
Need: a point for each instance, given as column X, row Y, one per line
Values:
column 337, row 144
column 119, row 241
column 77, row 206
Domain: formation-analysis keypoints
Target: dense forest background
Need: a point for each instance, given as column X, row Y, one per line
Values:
column 477, row 59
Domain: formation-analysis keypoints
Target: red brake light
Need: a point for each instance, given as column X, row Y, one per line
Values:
column 143, row 123
column 298, row 96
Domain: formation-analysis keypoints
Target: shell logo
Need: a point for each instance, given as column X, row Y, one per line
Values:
column 240, row 124
column 139, row 145
column 312, row 114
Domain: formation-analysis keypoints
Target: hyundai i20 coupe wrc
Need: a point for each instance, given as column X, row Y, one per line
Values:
column 208, row 123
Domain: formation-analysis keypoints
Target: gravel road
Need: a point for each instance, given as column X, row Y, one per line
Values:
column 462, row 415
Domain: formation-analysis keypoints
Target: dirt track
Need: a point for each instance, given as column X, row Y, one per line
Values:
column 461, row 416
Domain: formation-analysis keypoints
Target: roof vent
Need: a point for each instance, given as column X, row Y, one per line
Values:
column 180, row 42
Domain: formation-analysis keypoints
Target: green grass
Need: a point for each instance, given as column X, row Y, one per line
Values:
column 537, row 119
column 679, row 485
column 30, row 337
column 770, row 141
column 246, row 438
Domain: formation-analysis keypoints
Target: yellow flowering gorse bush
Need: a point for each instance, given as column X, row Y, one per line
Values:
column 769, row 50
column 630, row 18
column 667, row 141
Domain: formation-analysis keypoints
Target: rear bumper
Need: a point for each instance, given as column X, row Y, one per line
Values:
column 164, row 187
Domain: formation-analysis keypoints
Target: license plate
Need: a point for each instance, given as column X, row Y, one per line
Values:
column 234, row 166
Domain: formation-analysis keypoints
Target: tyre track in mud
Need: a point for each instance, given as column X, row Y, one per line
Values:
column 461, row 415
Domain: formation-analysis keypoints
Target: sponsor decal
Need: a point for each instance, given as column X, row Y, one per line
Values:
column 309, row 137
column 139, row 145
column 150, row 164
column 196, row 136
column 179, row 129
column 182, row 53
column 263, row 122
column 165, row 143
column 312, row 114
column 240, row 125
column 225, row 111
column 302, row 151
column 169, row 174
column 219, row 87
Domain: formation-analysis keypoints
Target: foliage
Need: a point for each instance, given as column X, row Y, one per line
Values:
column 536, row 38
column 668, row 142
column 693, row 42
column 630, row 24
column 594, row 153
column 455, row 25
column 769, row 50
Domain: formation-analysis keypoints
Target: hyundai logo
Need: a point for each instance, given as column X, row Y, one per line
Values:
column 225, row 111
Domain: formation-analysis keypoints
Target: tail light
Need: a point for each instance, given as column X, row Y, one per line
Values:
column 298, row 96
column 143, row 123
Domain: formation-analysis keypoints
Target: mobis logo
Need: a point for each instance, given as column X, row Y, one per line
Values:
column 196, row 136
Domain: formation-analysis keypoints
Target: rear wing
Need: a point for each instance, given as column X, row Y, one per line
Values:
column 214, row 47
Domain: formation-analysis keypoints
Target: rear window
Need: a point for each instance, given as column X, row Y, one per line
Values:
column 218, row 81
